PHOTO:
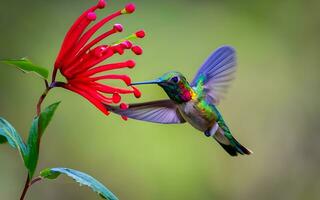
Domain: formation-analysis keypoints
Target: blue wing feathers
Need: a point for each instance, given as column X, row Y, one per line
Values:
column 216, row 73
column 218, row 59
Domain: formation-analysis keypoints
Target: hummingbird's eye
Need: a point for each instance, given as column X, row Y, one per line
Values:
column 175, row 79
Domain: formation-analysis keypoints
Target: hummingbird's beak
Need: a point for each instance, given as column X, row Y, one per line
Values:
column 157, row 81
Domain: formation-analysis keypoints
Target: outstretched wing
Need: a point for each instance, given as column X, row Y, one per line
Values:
column 163, row 112
column 216, row 74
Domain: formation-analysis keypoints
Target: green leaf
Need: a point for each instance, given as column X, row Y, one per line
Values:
column 27, row 66
column 81, row 178
column 3, row 139
column 10, row 135
column 38, row 127
column 46, row 116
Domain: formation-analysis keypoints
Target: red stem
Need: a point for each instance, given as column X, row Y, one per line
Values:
column 35, row 180
column 25, row 189
column 28, row 181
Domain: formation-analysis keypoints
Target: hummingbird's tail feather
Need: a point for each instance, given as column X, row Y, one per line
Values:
column 228, row 148
column 230, row 144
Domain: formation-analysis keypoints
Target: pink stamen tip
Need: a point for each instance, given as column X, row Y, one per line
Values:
column 118, row 27
column 130, row 8
column 101, row 4
column 127, row 44
column 137, row 50
column 140, row 34
column 125, row 118
column 136, row 92
column 124, row 106
column 124, row 45
column 91, row 16
column 116, row 98
column 131, row 63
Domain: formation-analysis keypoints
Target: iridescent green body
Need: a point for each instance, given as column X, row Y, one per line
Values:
column 190, row 101
column 199, row 114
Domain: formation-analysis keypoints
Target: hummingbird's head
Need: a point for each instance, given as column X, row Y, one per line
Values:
column 174, row 84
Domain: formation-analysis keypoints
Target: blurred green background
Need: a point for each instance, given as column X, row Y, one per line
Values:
column 272, row 107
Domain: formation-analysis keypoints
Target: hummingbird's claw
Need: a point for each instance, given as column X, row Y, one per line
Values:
column 207, row 133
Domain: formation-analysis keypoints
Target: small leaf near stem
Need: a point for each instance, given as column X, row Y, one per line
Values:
column 38, row 127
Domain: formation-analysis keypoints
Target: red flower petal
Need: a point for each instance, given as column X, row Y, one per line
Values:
column 109, row 89
column 87, row 35
column 107, row 67
column 124, row 78
column 93, row 100
column 74, row 33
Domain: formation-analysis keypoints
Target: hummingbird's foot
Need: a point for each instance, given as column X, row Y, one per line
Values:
column 211, row 131
column 207, row 133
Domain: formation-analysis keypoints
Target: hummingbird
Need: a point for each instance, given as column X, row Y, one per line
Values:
column 195, row 102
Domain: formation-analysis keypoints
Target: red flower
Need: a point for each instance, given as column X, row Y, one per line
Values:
column 79, row 59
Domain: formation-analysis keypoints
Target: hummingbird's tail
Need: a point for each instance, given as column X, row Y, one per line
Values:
column 230, row 144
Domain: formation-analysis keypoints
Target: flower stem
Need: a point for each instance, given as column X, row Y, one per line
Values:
column 35, row 180
column 28, row 184
column 42, row 97
column 54, row 74
column 28, row 181
column 25, row 189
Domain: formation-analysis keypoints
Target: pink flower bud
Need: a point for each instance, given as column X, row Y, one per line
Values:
column 130, row 8
column 101, row 4
column 118, row 27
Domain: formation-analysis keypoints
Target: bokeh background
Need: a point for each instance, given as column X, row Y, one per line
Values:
column 272, row 107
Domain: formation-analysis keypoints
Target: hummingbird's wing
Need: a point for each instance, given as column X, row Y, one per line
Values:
column 162, row 111
column 216, row 74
